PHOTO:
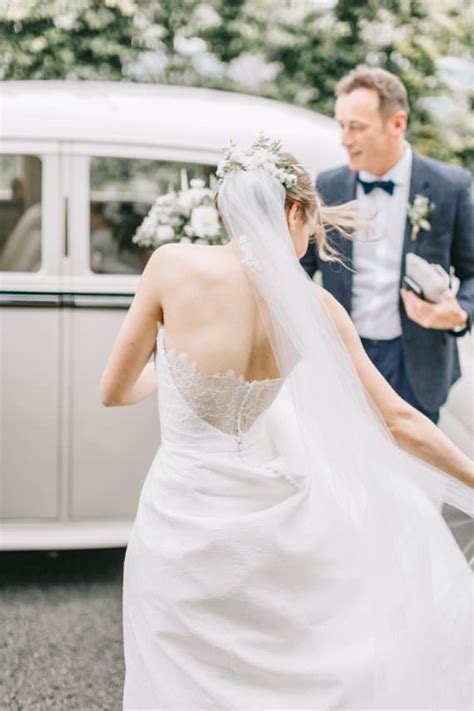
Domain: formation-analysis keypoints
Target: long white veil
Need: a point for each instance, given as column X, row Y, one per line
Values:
column 342, row 434
column 344, row 443
column 365, row 484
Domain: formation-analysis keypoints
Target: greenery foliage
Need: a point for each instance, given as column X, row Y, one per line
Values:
column 294, row 50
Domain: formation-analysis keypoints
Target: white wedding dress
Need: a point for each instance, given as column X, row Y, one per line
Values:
column 244, row 590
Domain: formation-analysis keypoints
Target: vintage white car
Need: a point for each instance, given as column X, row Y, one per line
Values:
column 80, row 164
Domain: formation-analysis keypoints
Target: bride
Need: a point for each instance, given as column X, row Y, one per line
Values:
column 288, row 550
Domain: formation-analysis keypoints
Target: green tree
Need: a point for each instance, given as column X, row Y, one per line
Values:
column 294, row 50
column 317, row 52
column 84, row 39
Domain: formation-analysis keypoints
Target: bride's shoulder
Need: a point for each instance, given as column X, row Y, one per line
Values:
column 177, row 260
column 175, row 254
column 173, row 250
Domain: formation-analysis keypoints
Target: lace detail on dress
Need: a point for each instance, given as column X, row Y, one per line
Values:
column 224, row 400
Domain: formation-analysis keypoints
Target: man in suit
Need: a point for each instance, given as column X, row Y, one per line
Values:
column 410, row 340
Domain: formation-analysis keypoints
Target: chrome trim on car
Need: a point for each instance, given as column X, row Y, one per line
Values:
column 65, row 300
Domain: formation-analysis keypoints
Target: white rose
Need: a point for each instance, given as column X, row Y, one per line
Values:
column 187, row 200
column 239, row 156
column 164, row 233
column 204, row 221
column 197, row 183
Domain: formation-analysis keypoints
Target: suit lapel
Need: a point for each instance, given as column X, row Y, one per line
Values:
column 419, row 185
column 347, row 193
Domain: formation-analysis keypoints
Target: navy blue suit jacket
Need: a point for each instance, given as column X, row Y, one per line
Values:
column 431, row 355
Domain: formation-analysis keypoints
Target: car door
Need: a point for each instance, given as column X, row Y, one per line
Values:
column 31, row 231
column 111, row 449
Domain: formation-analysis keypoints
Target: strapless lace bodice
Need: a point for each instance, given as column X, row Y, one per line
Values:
column 191, row 403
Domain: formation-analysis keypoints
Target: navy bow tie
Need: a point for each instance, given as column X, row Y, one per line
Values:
column 387, row 185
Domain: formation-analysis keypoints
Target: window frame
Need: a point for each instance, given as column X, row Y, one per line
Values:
column 52, row 218
column 78, row 159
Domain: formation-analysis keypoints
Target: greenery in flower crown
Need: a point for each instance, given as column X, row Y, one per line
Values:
column 187, row 215
column 264, row 154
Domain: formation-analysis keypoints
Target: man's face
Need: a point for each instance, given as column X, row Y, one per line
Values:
column 368, row 139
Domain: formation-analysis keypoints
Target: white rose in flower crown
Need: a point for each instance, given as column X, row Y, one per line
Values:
column 204, row 221
column 265, row 154
column 239, row 157
column 263, row 159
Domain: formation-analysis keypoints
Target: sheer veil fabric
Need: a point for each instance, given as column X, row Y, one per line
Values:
column 338, row 424
column 369, row 489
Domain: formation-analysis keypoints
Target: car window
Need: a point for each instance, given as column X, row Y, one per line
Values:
column 20, row 213
column 122, row 191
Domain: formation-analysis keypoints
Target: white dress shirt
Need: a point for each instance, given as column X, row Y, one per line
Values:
column 376, row 281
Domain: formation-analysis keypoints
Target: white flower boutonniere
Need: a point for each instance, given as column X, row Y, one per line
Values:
column 418, row 212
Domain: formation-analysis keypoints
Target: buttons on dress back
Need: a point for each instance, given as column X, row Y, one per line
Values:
column 224, row 401
column 238, row 421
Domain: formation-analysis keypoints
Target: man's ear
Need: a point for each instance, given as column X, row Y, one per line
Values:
column 398, row 123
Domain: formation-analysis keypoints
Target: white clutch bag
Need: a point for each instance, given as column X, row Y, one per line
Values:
column 428, row 281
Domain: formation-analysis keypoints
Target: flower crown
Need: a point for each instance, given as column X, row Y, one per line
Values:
column 264, row 154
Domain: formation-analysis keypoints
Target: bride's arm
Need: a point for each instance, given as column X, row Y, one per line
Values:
column 145, row 385
column 129, row 376
column 412, row 431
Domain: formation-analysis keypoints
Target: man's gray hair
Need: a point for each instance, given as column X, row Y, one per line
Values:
column 391, row 91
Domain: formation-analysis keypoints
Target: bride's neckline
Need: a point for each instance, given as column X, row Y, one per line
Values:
column 183, row 357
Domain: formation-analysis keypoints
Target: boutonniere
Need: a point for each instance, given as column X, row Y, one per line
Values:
column 418, row 212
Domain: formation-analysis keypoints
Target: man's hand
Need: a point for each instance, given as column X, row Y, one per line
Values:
column 445, row 315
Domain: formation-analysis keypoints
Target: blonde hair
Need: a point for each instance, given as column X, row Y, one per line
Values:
column 323, row 218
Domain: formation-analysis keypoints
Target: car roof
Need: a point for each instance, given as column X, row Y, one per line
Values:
column 155, row 115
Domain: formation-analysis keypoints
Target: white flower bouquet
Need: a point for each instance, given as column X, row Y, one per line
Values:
column 187, row 215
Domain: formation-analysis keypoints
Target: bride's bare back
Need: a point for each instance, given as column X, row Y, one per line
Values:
column 210, row 312
column 208, row 307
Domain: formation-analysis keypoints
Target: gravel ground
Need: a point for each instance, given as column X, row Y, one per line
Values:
column 61, row 630
column 61, row 627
